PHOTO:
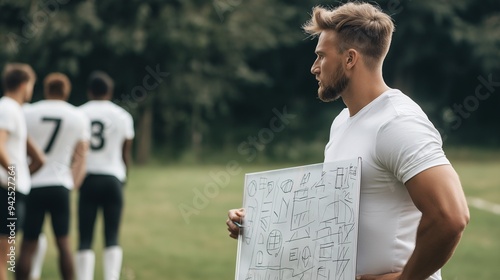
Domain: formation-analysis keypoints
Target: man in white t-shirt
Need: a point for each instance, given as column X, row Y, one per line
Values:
column 63, row 132
column 412, row 206
column 107, row 164
column 17, row 81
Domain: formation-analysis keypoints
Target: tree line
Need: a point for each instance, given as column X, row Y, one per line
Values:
column 207, row 77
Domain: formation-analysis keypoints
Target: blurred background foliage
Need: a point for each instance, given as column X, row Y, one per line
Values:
column 201, row 78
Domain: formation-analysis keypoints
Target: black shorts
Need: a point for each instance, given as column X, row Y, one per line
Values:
column 12, row 210
column 52, row 199
column 105, row 193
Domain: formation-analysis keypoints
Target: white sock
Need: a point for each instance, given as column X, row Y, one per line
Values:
column 112, row 262
column 38, row 257
column 85, row 261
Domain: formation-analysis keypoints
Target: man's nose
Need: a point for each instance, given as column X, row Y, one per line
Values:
column 315, row 68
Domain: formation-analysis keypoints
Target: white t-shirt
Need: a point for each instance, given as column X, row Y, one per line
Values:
column 111, row 126
column 12, row 120
column 396, row 141
column 56, row 127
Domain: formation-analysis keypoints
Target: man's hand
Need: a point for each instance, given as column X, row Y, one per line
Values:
column 388, row 276
column 36, row 155
column 234, row 215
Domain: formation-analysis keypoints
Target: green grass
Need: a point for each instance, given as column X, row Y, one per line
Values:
column 159, row 244
column 478, row 254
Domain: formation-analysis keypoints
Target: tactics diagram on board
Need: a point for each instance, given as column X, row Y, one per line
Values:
column 300, row 223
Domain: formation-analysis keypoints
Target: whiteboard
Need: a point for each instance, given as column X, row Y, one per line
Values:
column 300, row 223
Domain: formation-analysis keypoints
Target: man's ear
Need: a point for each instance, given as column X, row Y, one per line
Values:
column 22, row 86
column 351, row 58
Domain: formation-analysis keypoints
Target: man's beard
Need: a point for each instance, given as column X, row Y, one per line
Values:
column 328, row 93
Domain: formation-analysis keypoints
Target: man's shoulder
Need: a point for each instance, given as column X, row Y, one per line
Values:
column 121, row 110
column 52, row 107
column 74, row 113
column 6, row 105
column 106, row 107
column 118, row 112
column 399, row 104
column 402, row 115
column 11, row 115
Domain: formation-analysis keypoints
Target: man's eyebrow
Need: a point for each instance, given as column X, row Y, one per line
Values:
column 319, row 52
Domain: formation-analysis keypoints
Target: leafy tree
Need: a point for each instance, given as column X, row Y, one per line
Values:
column 203, row 76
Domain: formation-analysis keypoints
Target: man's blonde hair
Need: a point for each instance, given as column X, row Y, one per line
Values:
column 358, row 25
column 57, row 84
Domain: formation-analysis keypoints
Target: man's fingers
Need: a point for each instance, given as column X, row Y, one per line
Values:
column 231, row 226
column 236, row 214
column 240, row 212
column 233, row 236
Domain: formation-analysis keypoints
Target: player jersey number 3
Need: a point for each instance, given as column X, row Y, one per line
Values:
column 97, row 142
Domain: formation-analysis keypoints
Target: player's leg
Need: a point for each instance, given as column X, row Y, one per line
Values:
column 84, row 264
column 66, row 266
column 4, row 258
column 87, row 212
column 5, row 242
column 112, row 210
column 60, row 213
column 38, row 258
column 34, row 217
column 28, row 248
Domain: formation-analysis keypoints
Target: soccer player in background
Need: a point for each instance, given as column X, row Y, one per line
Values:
column 107, row 165
column 18, row 81
column 63, row 132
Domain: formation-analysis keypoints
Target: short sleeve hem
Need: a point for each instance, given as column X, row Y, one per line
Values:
column 408, row 145
column 412, row 173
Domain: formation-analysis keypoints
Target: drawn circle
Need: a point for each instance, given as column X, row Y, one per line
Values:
column 252, row 188
column 274, row 241
column 287, row 186
column 306, row 256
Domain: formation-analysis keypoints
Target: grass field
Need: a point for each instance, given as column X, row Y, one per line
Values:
column 159, row 244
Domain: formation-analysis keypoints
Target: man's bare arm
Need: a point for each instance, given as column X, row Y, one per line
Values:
column 36, row 155
column 4, row 157
column 438, row 194
column 126, row 153
column 78, row 163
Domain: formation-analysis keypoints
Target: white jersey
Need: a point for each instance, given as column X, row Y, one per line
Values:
column 111, row 126
column 396, row 141
column 56, row 127
column 12, row 120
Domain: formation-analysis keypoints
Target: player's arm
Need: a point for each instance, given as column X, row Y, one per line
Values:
column 438, row 194
column 36, row 155
column 126, row 153
column 78, row 163
column 4, row 157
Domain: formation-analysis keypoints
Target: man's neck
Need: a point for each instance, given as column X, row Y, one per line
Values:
column 53, row 98
column 99, row 99
column 363, row 91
